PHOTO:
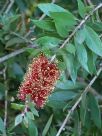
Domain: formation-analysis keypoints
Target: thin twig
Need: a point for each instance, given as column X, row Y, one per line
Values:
column 17, row 52
column 66, row 41
column 21, row 37
column 11, row 2
column 89, row 2
column 6, row 94
column 80, row 25
column 41, row 18
column 4, row 7
column 78, row 101
column 77, row 28
column 13, row 54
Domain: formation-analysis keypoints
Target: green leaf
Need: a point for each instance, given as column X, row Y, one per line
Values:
column 94, row 109
column 32, row 128
column 80, row 36
column 21, row 5
column 50, row 7
column 56, row 104
column 69, row 85
column 70, row 64
column 14, row 41
column 53, row 131
column 17, row 106
column 44, row 24
column 83, row 108
column 81, row 8
column 47, row 126
column 87, row 120
column 82, row 55
column 32, row 108
column 18, row 119
column 97, row 26
column 30, row 115
column 93, row 41
column 2, row 128
column 33, row 53
column 62, row 96
column 48, row 42
column 64, row 22
column 2, row 90
column 70, row 48
column 17, row 69
column 91, row 61
column 13, row 18
column 76, row 124
column 25, row 121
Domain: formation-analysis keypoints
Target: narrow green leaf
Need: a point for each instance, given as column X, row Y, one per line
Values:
column 48, row 42
column 87, row 119
column 93, row 41
column 50, row 7
column 18, row 119
column 64, row 22
column 97, row 26
column 44, row 24
column 21, row 5
column 56, row 104
column 71, row 65
column 17, row 69
column 76, row 124
column 32, row 128
column 82, row 55
column 25, row 121
column 91, row 61
column 14, row 41
column 13, row 18
column 2, row 128
column 47, row 126
column 53, row 131
column 32, row 108
column 34, row 52
column 83, row 108
column 30, row 115
column 94, row 109
column 62, row 96
column 69, row 85
column 17, row 106
column 2, row 90
column 70, row 48
column 80, row 36
column 81, row 8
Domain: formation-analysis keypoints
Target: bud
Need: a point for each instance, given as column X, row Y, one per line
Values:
column 39, row 80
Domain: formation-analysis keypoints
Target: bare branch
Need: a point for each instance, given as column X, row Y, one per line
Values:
column 23, row 38
column 13, row 54
column 80, row 25
column 77, row 28
column 9, row 6
column 4, row 7
column 41, row 18
column 2, row 59
column 6, row 94
column 78, row 101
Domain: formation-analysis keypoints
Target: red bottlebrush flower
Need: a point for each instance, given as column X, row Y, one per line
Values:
column 39, row 81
